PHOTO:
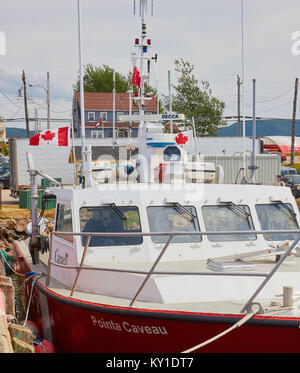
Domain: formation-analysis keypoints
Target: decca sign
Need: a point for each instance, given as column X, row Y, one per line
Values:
column 2, row 44
column 152, row 117
column 172, row 116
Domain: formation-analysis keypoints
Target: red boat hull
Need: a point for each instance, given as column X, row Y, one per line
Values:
column 75, row 326
column 82, row 327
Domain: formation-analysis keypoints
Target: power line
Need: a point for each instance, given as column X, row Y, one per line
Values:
column 4, row 94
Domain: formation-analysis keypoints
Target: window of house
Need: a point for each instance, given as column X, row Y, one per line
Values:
column 103, row 115
column 64, row 221
column 120, row 113
column 96, row 134
column 91, row 116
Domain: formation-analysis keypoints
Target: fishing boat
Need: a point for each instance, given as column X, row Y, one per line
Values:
column 158, row 254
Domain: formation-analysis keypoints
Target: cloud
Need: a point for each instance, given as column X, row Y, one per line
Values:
column 42, row 36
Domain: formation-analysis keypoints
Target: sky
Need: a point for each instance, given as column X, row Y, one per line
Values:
column 42, row 36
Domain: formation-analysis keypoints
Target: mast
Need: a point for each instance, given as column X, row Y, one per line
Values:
column 143, row 44
column 82, row 111
column 244, row 94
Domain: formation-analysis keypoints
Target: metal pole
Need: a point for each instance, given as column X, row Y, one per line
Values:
column 81, row 264
column 253, row 129
column 170, row 100
column 244, row 94
column 48, row 101
column 114, row 106
column 82, row 111
column 35, row 230
column 195, row 138
column 152, row 269
column 130, row 112
column 73, row 150
column 239, row 105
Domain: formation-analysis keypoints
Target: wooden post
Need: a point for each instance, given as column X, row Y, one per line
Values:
column 25, row 104
column 294, row 122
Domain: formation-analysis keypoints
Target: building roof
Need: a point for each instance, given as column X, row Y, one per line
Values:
column 282, row 142
column 104, row 101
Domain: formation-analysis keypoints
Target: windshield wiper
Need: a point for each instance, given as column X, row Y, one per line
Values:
column 118, row 211
column 284, row 205
column 183, row 211
column 237, row 209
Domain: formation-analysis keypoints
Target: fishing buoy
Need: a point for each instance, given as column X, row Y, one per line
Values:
column 43, row 346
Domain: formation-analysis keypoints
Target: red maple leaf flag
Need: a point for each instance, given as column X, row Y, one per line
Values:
column 181, row 139
column 136, row 78
column 99, row 123
column 58, row 137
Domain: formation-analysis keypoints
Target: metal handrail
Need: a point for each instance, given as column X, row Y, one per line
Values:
column 246, row 307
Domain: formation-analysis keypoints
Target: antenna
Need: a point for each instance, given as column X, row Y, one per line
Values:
column 143, row 8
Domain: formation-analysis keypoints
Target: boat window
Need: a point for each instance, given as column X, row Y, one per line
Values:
column 277, row 216
column 111, row 219
column 172, row 153
column 228, row 218
column 64, row 220
column 173, row 219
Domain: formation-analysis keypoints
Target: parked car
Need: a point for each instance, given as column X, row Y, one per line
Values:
column 293, row 181
column 4, row 181
column 284, row 171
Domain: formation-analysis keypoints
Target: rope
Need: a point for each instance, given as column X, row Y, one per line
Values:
column 37, row 277
column 235, row 326
column 9, row 266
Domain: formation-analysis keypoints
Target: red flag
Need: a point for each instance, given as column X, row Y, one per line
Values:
column 59, row 137
column 136, row 78
column 99, row 123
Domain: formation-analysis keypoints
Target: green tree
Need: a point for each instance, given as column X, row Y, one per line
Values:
column 196, row 101
column 100, row 79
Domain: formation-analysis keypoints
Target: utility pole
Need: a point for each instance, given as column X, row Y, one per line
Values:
column 25, row 104
column 239, row 105
column 294, row 122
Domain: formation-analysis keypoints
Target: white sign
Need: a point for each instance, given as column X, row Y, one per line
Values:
column 152, row 117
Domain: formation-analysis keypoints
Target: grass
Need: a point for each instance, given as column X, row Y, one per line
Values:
column 13, row 212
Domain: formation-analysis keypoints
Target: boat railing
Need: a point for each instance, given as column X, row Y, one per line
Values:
column 246, row 308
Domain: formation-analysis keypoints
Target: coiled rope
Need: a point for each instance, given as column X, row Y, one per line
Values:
column 235, row 326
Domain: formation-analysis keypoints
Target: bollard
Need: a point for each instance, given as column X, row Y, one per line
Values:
column 287, row 296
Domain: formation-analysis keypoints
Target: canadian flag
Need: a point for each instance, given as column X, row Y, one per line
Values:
column 99, row 123
column 136, row 78
column 58, row 137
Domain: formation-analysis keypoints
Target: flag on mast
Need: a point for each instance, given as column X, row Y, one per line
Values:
column 99, row 123
column 136, row 78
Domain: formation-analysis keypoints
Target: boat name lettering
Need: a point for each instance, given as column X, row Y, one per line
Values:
column 59, row 259
column 128, row 327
